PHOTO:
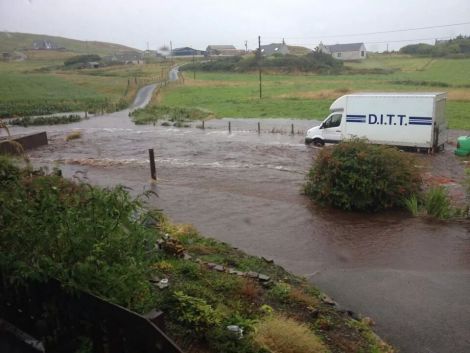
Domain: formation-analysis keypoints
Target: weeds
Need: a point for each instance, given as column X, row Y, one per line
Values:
column 176, row 115
column 73, row 135
column 280, row 334
column 45, row 120
column 412, row 205
column 437, row 203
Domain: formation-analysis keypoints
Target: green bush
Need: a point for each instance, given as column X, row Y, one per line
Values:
column 356, row 175
column 86, row 237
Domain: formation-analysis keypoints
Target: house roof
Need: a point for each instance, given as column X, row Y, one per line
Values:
column 272, row 48
column 221, row 47
column 344, row 47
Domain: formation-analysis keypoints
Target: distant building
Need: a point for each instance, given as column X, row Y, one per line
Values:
column 128, row 57
column 45, row 44
column 351, row 51
column 223, row 50
column 187, row 51
column 274, row 48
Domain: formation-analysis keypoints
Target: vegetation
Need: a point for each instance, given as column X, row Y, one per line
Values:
column 279, row 334
column 434, row 202
column 356, row 175
column 102, row 241
column 11, row 41
column 177, row 115
column 459, row 46
column 45, row 120
column 312, row 62
column 29, row 88
column 81, row 59
column 74, row 135
column 309, row 96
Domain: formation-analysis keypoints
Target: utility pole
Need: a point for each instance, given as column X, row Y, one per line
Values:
column 194, row 69
column 259, row 67
column 171, row 52
column 246, row 46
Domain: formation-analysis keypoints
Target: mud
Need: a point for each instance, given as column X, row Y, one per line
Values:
column 412, row 275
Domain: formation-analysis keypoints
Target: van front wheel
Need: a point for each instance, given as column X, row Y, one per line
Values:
column 318, row 142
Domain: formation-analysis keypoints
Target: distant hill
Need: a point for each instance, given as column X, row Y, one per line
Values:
column 12, row 41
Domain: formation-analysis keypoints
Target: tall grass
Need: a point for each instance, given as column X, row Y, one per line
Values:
column 278, row 334
column 437, row 203
column 412, row 205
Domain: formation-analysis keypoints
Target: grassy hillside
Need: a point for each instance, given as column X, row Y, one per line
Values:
column 10, row 41
column 309, row 95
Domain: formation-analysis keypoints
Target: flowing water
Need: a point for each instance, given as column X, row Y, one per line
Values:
column 411, row 275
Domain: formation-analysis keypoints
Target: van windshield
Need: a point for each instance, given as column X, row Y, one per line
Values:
column 333, row 121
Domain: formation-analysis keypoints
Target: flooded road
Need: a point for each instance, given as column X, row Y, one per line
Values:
column 412, row 276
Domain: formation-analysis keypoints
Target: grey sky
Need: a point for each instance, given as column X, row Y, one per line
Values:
column 197, row 23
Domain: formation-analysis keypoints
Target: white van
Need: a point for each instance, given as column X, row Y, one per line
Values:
column 400, row 119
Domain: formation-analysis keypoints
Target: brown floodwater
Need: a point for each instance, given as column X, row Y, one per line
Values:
column 244, row 188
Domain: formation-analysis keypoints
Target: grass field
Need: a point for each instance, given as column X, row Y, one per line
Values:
column 309, row 96
column 40, row 86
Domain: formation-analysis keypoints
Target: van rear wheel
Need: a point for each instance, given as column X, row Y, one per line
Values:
column 318, row 142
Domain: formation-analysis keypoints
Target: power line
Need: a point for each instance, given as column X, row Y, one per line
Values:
column 390, row 41
column 381, row 32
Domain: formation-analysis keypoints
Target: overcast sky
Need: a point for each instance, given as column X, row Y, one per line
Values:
column 198, row 23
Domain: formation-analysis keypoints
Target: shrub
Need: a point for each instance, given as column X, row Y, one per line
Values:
column 356, row 175
column 279, row 334
column 437, row 203
column 194, row 313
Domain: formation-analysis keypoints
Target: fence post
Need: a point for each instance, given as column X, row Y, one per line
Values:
column 203, row 125
column 292, row 129
column 229, row 127
column 153, row 171
column 259, row 128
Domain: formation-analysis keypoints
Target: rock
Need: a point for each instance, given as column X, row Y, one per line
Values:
column 367, row 321
column 186, row 256
column 268, row 260
column 211, row 265
column 252, row 274
column 313, row 312
column 163, row 283
column 236, row 330
column 263, row 278
column 327, row 300
column 232, row 271
column 219, row 268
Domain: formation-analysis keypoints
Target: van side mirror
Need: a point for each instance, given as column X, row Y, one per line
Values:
column 322, row 125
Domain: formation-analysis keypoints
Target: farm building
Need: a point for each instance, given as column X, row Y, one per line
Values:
column 274, row 48
column 223, row 50
column 187, row 51
column 351, row 51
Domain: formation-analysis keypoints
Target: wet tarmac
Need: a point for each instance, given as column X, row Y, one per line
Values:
column 411, row 275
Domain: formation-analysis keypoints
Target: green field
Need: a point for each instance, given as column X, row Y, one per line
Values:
column 309, row 96
column 42, row 86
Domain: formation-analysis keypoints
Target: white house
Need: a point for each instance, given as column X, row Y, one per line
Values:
column 351, row 51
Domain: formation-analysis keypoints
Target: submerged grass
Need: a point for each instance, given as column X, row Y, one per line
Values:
column 45, row 120
column 174, row 114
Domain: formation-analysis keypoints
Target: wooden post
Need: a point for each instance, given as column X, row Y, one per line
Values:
column 153, row 171
column 259, row 128
column 203, row 126
column 229, row 127
column 86, row 114
column 292, row 129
